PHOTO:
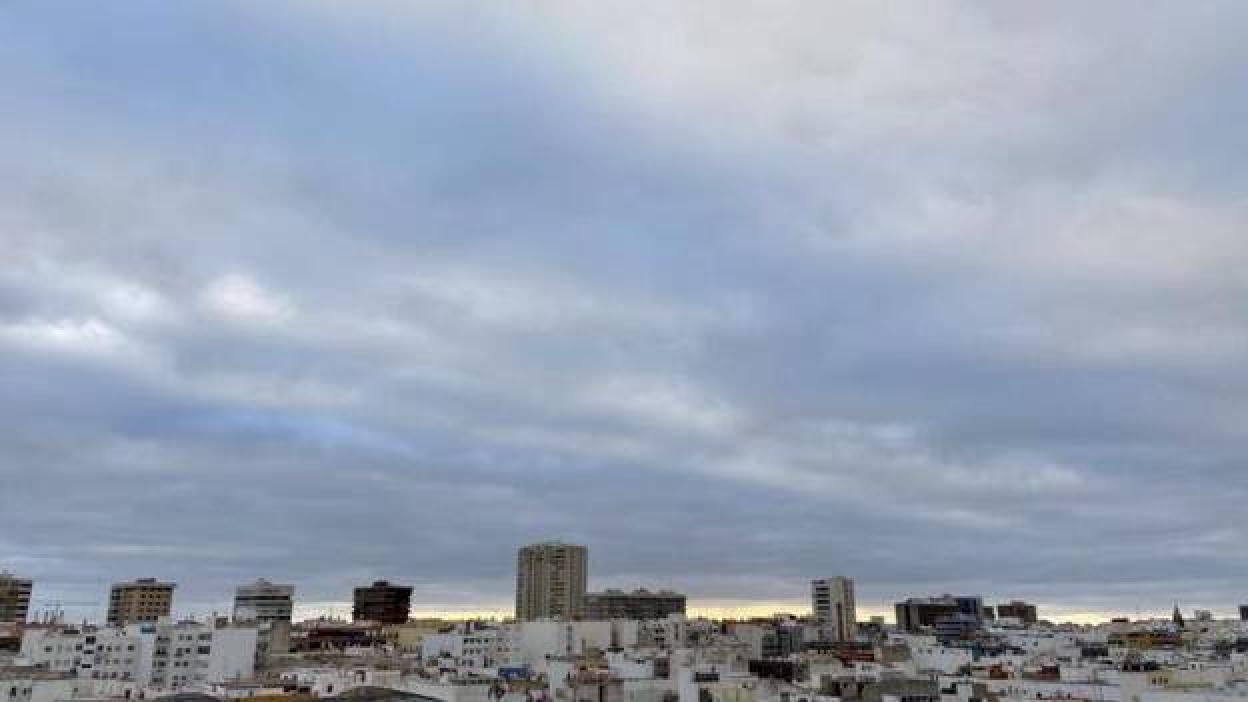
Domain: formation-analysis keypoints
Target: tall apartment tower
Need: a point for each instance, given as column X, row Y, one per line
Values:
column 832, row 602
column 142, row 600
column 263, row 601
column 14, row 598
column 550, row 581
column 382, row 602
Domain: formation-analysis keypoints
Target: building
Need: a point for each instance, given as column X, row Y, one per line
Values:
column 263, row 601
column 1243, row 613
column 142, row 600
column 26, row 684
column 771, row 639
column 471, row 645
column 14, row 598
column 10, row 638
column 409, row 636
column 1017, row 609
column 957, row 626
column 550, row 581
column 381, row 602
column 270, row 607
column 923, row 613
column 332, row 635
column 832, row 604
column 638, row 604
column 162, row 654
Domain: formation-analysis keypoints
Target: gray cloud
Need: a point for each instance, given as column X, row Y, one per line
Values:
column 326, row 293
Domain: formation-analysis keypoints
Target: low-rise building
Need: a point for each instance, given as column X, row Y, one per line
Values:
column 927, row 613
column 1017, row 609
column 163, row 655
column 638, row 604
column 409, row 636
column 471, row 646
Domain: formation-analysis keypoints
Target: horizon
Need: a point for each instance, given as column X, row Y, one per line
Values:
column 711, row 608
column 341, row 610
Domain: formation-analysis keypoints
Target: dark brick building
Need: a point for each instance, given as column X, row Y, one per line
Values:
column 381, row 602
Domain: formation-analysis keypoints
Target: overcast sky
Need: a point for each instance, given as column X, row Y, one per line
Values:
column 944, row 296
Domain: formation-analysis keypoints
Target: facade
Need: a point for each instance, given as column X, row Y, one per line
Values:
column 550, row 581
column 471, row 645
column 1017, row 609
column 142, row 600
column 638, row 604
column 270, row 607
column 161, row 654
column 410, row 636
column 920, row 613
column 263, row 601
column 382, row 602
column 832, row 604
column 771, row 639
column 537, row 643
column 23, row 684
column 330, row 635
column 14, row 598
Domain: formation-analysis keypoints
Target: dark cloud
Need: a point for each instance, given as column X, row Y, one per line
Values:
column 327, row 293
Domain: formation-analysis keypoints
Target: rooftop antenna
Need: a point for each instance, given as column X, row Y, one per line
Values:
column 53, row 611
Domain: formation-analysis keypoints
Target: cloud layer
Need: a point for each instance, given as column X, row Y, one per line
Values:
column 948, row 298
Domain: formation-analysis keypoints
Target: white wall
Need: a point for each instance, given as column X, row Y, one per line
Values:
column 233, row 654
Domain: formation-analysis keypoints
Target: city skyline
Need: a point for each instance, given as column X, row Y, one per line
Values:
column 713, row 609
column 716, row 608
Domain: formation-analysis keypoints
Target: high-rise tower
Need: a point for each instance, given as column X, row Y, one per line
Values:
column 550, row 581
column 832, row 603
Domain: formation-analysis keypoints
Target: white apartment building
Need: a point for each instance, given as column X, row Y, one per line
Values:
column 672, row 632
column 475, row 646
column 714, row 684
column 333, row 680
column 24, row 685
column 98, row 653
column 538, row 641
column 161, row 655
column 471, row 646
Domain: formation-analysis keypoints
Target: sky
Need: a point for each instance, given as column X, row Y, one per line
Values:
column 943, row 296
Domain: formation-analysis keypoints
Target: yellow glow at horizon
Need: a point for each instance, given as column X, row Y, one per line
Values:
column 713, row 609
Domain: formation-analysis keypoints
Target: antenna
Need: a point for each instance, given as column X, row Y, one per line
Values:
column 54, row 610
